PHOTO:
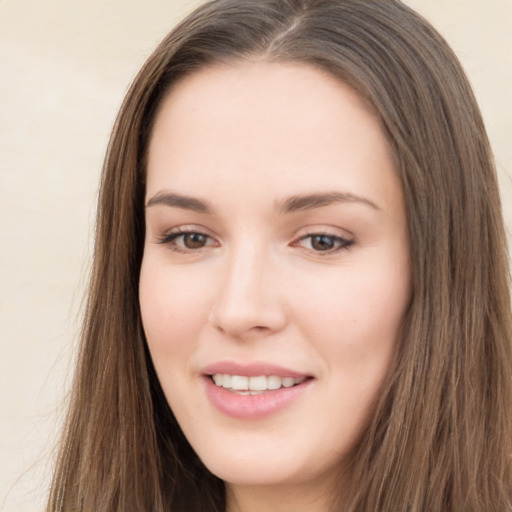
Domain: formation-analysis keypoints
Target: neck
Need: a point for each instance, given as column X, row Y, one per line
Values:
column 277, row 498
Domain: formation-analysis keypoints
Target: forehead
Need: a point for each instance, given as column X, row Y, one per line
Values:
column 269, row 126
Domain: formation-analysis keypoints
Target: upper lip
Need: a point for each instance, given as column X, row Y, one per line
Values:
column 253, row 369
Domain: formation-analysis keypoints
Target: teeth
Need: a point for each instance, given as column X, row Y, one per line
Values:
column 258, row 383
column 226, row 381
column 273, row 382
column 239, row 383
column 288, row 382
column 254, row 385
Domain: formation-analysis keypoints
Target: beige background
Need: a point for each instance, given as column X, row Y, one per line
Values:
column 64, row 68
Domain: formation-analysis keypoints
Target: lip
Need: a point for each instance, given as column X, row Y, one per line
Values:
column 252, row 369
column 253, row 407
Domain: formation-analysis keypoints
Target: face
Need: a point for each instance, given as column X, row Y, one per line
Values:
column 275, row 272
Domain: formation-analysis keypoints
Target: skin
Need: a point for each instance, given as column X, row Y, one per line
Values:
column 257, row 285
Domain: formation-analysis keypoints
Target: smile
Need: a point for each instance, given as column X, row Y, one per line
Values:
column 254, row 391
column 255, row 385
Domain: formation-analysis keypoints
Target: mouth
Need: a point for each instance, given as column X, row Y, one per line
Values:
column 256, row 390
column 254, row 385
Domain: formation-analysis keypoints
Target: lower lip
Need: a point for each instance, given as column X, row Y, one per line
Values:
column 251, row 407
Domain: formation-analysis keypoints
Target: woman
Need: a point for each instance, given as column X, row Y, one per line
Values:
column 300, row 293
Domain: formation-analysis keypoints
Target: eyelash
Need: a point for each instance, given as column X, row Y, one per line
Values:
column 169, row 239
column 339, row 243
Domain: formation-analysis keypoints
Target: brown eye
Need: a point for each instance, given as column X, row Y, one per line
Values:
column 187, row 241
column 194, row 240
column 324, row 243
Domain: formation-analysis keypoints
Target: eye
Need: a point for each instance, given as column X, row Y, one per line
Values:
column 187, row 241
column 324, row 243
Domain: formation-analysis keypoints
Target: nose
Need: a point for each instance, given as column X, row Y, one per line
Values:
column 248, row 301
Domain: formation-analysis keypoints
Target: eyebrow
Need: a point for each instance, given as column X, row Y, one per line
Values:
column 308, row 202
column 291, row 204
column 179, row 201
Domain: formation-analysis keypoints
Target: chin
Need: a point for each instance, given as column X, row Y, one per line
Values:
column 247, row 473
column 265, row 467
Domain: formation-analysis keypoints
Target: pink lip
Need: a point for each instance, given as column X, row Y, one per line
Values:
column 251, row 369
column 252, row 407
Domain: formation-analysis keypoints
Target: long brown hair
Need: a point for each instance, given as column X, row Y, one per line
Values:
column 440, row 435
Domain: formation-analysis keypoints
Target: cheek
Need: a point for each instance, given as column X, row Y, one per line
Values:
column 173, row 311
column 363, row 301
column 355, row 316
